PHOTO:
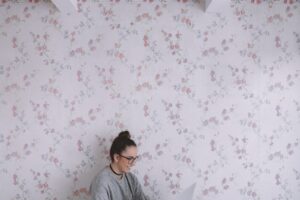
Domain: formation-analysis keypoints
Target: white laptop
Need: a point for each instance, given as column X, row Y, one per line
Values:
column 187, row 194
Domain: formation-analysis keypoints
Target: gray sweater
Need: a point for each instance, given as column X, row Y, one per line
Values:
column 108, row 186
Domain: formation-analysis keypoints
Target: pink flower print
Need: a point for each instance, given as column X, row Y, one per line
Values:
column 14, row 42
column 15, row 179
column 79, row 73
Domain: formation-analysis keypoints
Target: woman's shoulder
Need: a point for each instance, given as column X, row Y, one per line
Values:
column 101, row 181
column 103, row 174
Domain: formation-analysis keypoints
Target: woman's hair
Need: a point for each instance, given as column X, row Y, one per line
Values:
column 120, row 143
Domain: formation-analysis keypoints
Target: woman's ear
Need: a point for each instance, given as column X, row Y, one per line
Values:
column 116, row 157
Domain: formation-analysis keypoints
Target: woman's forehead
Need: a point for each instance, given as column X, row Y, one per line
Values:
column 132, row 150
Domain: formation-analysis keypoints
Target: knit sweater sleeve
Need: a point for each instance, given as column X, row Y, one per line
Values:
column 99, row 190
column 138, row 193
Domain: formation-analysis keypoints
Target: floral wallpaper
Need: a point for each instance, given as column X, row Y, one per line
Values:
column 210, row 97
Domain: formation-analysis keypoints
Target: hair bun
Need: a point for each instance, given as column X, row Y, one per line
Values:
column 125, row 134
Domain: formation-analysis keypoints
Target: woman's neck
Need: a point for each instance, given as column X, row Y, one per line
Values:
column 115, row 170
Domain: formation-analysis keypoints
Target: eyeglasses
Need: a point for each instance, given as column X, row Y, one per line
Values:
column 130, row 159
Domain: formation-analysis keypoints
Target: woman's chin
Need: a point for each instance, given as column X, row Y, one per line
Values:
column 127, row 169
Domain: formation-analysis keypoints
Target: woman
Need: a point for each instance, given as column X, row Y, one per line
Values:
column 116, row 182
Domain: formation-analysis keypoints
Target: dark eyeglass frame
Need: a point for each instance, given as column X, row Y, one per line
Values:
column 130, row 159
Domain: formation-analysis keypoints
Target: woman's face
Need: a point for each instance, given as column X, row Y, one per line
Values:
column 126, row 159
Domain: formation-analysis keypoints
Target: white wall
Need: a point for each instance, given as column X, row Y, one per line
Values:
column 209, row 97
